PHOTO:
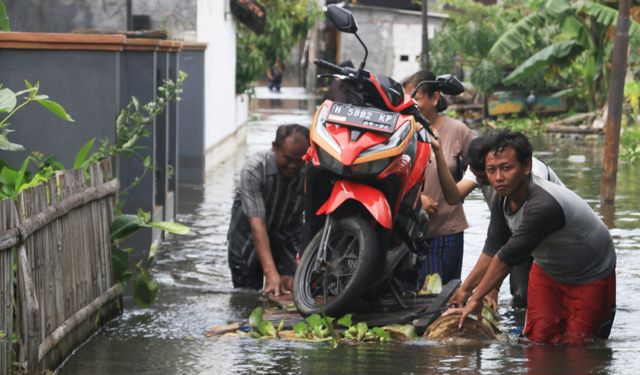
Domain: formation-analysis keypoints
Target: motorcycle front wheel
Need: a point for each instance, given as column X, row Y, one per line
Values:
column 352, row 263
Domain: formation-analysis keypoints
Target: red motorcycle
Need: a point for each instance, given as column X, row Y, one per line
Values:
column 365, row 171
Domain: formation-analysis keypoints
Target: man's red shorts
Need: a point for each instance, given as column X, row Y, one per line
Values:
column 566, row 313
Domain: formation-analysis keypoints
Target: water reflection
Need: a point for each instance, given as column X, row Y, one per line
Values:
column 196, row 293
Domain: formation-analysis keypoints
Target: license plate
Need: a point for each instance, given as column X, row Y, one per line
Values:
column 364, row 118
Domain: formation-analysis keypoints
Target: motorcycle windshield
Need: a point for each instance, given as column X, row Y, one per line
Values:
column 392, row 89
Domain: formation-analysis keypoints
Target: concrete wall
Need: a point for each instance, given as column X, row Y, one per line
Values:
column 216, row 27
column 178, row 17
column 388, row 34
column 208, row 21
column 61, row 16
column 72, row 80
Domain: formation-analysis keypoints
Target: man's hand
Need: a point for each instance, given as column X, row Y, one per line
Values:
column 286, row 284
column 492, row 298
column 473, row 306
column 429, row 204
column 276, row 284
column 459, row 298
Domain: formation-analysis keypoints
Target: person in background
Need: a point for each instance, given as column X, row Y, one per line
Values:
column 265, row 234
column 572, row 285
column 474, row 177
column 274, row 75
column 442, row 250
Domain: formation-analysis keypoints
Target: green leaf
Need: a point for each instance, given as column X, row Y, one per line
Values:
column 147, row 161
column 123, row 226
column 553, row 53
column 381, row 334
column 21, row 172
column 170, row 226
column 361, row 329
column 280, row 326
column 319, row 332
column 606, row 15
column 4, row 18
column 557, row 8
column 301, row 329
column 29, row 90
column 345, row 321
column 145, row 289
column 515, row 37
column 143, row 216
column 81, row 156
column 256, row 317
column 314, row 320
column 266, row 328
column 8, row 175
column 7, row 145
column 120, row 264
column 55, row 108
column 8, row 100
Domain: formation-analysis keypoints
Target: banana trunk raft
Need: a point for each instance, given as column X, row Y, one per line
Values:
column 383, row 320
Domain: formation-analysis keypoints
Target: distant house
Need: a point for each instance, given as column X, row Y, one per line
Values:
column 391, row 29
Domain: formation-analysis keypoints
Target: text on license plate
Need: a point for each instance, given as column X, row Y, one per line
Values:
column 360, row 117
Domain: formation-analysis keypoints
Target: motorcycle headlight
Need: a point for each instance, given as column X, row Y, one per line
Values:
column 393, row 141
column 370, row 168
column 329, row 162
column 322, row 131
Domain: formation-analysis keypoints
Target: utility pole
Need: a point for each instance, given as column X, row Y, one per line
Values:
column 424, row 58
column 129, row 16
column 614, row 104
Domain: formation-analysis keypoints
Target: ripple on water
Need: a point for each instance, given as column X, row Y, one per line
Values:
column 196, row 293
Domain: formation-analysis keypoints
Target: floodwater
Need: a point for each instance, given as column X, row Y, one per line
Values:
column 196, row 293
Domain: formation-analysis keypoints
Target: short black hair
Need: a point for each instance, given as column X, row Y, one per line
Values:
column 284, row 131
column 474, row 154
column 426, row 89
column 499, row 139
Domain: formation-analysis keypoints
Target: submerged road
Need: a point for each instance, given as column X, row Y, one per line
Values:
column 196, row 292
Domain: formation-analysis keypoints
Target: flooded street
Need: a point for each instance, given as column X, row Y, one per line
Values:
column 196, row 293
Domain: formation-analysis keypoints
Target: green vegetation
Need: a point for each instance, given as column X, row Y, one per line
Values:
column 133, row 123
column 317, row 328
column 560, row 46
column 4, row 19
column 10, row 104
column 579, row 47
column 527, row 124
column 288, row 22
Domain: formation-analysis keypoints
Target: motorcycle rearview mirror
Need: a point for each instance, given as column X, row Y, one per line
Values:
column 342, row 19
column 450, row 85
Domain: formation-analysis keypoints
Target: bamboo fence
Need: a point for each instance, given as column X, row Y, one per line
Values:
column 56, row 235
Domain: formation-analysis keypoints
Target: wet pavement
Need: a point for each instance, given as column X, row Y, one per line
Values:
column 196, row 293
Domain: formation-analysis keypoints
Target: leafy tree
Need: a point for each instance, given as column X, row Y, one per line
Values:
column 287, row 23
column 4, row 19
column 579, row 49
column 467, row 36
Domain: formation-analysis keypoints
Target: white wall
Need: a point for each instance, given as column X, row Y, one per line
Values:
column 216, row 27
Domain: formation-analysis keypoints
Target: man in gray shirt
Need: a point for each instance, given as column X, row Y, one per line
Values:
column 474, row 176
column 572, row 281
column 265, row 234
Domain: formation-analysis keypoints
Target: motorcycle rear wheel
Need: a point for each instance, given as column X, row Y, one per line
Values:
column 352, row 263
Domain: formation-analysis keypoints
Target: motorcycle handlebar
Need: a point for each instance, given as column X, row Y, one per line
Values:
column 422, row 120
column 329, row 66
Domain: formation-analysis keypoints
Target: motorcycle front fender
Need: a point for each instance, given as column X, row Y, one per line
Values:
column 371, row 198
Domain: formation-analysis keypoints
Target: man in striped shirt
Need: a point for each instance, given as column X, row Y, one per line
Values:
column 265, row 233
